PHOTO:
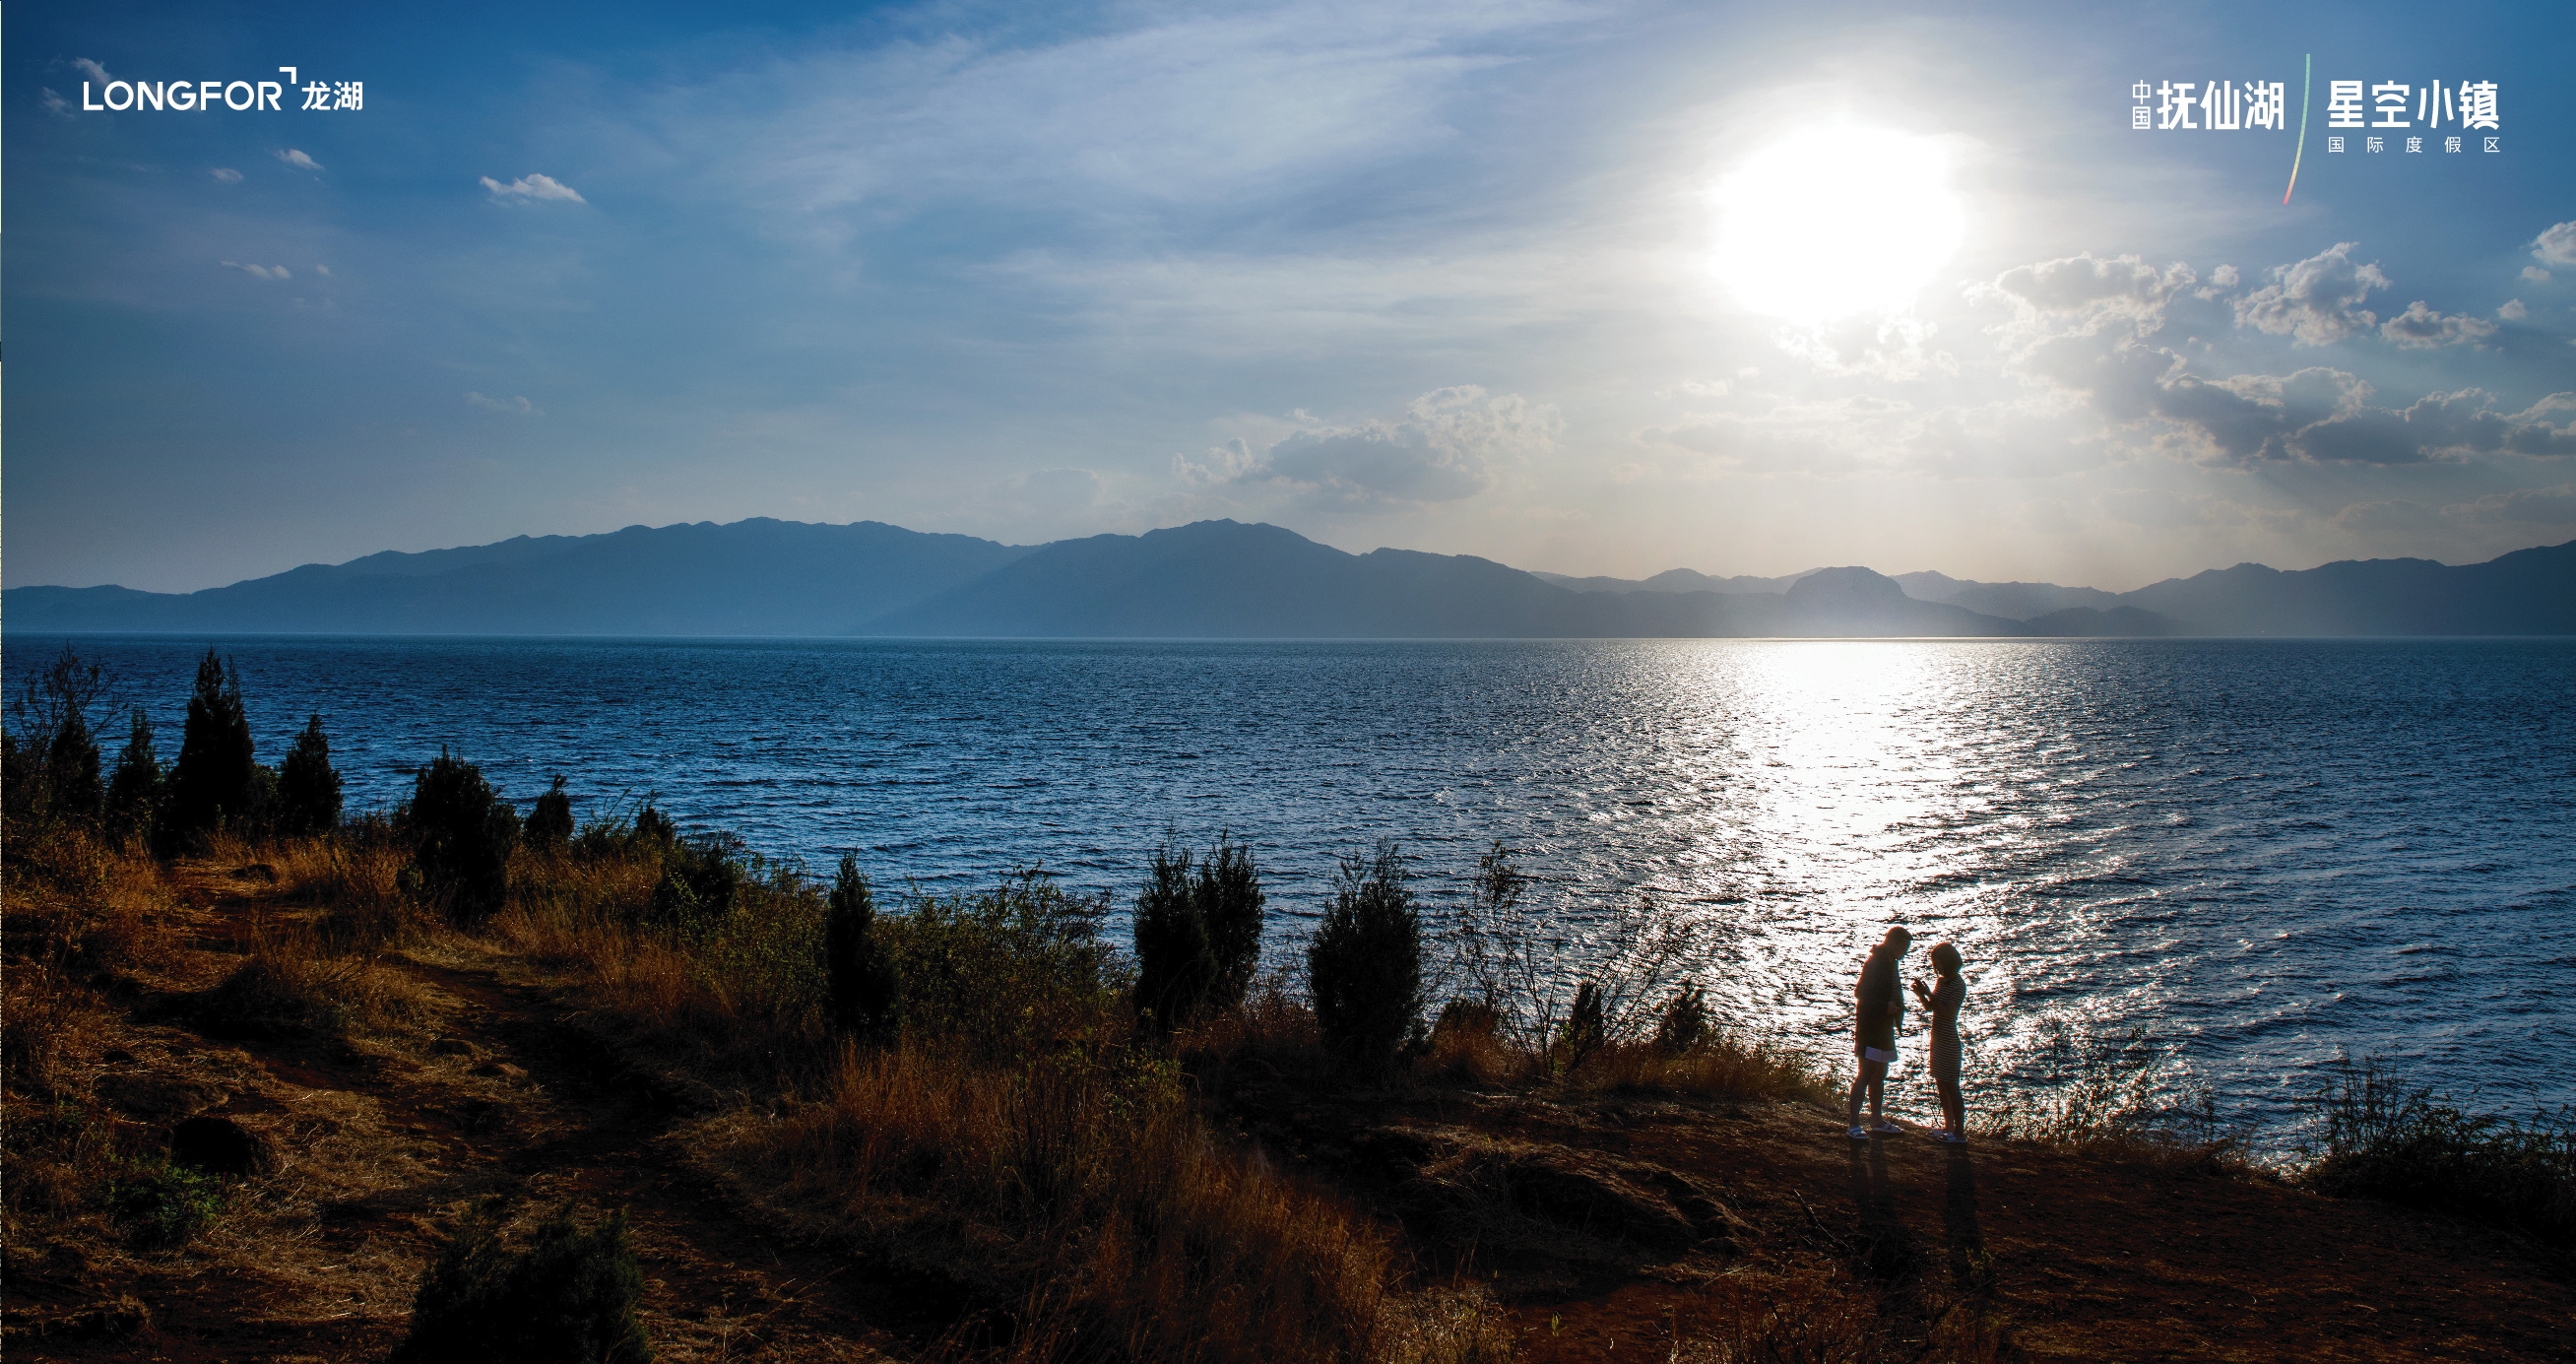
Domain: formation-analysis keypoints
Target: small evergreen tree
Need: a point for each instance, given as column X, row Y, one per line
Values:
column 216, row 780
column 856, row 967
column 308, row 787
column 72, row 783
column 1175, row 968
column 134, row 791
column 1364, row 965
column 1230, row 902
column 1586, row 1026
column 1684, row 1024
column 465, row 832
column 550, row 819
column 569, row 1298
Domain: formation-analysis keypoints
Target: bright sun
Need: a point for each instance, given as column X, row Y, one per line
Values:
column 1835, row 222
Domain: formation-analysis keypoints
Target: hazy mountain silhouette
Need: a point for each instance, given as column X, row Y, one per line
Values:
column 752, row 577
column 2527, row 592
column 1223, row 579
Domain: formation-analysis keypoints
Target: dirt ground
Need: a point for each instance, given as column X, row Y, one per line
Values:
column 1607, row 1228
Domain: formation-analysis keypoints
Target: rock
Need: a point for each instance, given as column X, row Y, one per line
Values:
column 221, row 1146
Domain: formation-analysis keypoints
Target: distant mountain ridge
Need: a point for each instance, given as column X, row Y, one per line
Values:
column 1214, row 579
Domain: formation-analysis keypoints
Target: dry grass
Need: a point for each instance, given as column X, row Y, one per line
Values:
column 301, row 976
column 1085, row 1193
column 1728, row 1065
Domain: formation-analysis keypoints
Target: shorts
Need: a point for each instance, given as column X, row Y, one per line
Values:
column 1885, row 1056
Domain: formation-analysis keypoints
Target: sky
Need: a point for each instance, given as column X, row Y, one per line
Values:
column 1588, row 288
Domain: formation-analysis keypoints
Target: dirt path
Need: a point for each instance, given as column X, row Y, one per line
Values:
column 382, row 1139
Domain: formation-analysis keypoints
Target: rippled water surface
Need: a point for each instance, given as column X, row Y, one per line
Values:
column 2271, row 853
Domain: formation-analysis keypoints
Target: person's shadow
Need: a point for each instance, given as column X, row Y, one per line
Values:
column 1970, row 1266
column 1884, row 1248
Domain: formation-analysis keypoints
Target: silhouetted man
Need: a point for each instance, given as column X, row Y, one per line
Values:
column 1881, row 1008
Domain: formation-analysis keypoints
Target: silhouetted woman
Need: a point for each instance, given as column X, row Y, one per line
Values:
column 1943, row 1001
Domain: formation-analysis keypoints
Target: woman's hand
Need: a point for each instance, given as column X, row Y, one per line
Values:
column 1920, row 992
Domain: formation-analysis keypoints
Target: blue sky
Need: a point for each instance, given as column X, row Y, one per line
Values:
column 1464, row 278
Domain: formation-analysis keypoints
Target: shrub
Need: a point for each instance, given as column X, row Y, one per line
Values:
column 569, row 1298
column 308, row 787
column 465, row 832
column 1584, row 1030
column 550, row 819
column 216, row 781
column 1364, row 966
column 160, row 1203
column 134, row 792
column 856, row 971
column 700, row 878
column 2381, row 1138
column 1684, row 1023
column 52, row 766
column 1001, row 971
column 652, row 826
column 1175, row 963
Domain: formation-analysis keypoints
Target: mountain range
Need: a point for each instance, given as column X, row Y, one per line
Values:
column 1215, row 579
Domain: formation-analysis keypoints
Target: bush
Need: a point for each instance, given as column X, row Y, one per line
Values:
column 52, row 765
column 1364, row 966
column 569, row 1298
column 1175, row 962
column 1585, row 1028
column 308, row 787
column 550, row 819
column 216, row 781
column 2378, row 1137
column 700, row 878
column 160, row 1203
column 465, row 832
column 1001, row 971
column 1684, row 1024
column 856, row 971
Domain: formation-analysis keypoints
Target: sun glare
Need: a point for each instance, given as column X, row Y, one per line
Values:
column 1835, row 222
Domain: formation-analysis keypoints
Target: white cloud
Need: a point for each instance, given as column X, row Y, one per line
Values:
column 321, row 269
column 2557, row 246
column 91, row 69
column 262, row 271
column 226, row 175
column 2535, row 274
column 2513, row 311
column 53, row 103
column 517, row 407
column 2421, row 328
column 2316, row 301
column 299, row 160
column 533, row 187
column 1448, row 446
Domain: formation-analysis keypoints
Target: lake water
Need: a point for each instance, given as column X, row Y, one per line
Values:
column 2270, row 853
